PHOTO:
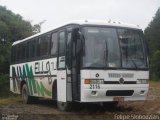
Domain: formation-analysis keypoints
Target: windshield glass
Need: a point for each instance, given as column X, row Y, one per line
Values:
column 101, row 47
column 112, row 48
column 132, row 49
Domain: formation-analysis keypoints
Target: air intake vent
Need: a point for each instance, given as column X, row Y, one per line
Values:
column 120, row 75
column 119, row 93
column 117, row 82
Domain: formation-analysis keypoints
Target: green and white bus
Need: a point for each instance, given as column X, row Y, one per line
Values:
column 83, row 61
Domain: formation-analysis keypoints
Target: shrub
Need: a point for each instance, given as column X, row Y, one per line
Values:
column 4, row 85
column 155, row 65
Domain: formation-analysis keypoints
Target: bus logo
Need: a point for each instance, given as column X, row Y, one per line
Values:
column 97, row 75
column 121, row 81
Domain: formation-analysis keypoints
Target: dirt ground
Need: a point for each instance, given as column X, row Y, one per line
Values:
column 13, row 109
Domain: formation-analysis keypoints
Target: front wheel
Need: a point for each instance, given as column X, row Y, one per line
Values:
column 64, row 106
column 25, row 95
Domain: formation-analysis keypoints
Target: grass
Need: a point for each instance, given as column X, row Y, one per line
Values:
column 6, row 97
column 4, row 85
column 10, row 99
column 154, row 87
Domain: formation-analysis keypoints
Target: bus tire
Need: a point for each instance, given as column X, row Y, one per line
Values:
column 25, row 95
column 54, row 91
column 64, row 106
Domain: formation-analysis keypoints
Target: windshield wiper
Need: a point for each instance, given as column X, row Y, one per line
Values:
column 127, row 56
column 83, row 44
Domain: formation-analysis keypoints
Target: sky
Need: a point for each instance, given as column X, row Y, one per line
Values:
column 58, row 12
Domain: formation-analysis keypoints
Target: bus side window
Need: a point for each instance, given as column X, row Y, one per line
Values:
column 31, row 49
column 27, row 50
column 18, row 53
column 61, row 50
column 54, row 45
column 13, row 55
column 61, row 43
column 69, row 50
column 43, row 46
column 23, row 51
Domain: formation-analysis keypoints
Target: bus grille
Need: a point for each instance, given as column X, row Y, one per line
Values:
column 117, row 82
column 119, row 93
column 119, row 75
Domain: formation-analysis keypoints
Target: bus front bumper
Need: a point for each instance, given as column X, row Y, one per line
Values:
column 127, row 92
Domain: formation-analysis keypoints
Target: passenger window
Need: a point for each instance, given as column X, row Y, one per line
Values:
column 69, row 50
column 61, row 50
column 62, row 43
column 18, row 52
column 54, row 44
column 32, row 48
column 23, row 51
column 13, row 54
column 43, row 46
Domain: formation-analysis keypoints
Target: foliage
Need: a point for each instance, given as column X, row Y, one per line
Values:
column 5, row 49
column 4, row 85
column 152, row 35
column 155, row 65
column 36, row 28
column 12, row 27
column 4, row 79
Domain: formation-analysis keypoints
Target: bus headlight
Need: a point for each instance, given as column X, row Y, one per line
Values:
column 142, row 81
column 93, row 81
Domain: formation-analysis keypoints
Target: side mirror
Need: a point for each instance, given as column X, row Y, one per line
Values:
column 79, row 45
column 77, row 38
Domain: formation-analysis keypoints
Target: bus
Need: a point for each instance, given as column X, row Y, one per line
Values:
column 82, row 61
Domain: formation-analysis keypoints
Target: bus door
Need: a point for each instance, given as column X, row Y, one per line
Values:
column 75, row 67
column 61, row 68
column 69, row 64
column 72, row 66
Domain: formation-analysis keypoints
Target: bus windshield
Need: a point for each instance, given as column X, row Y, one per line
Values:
column 113, row 48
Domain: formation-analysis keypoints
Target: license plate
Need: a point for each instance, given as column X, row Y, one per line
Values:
column 119, row 99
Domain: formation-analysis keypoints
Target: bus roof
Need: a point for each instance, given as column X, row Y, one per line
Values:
column 87, row 22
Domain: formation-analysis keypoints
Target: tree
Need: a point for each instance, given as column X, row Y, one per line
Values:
column 12, row 27
column 37, row 27
column 4, row 57
column 152, row 35
column 155, row 66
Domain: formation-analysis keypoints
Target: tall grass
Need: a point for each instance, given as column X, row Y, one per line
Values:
column 4, row 86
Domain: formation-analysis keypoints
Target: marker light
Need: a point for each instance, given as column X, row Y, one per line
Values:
column 93, row 81
column 86, row 81
column 142, row 81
